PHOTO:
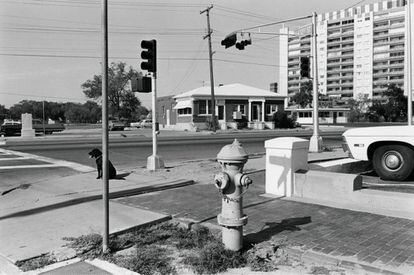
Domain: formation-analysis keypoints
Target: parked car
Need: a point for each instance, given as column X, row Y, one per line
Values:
column 116, row 125
column 146, row 123
column 11, row 128
column 390, row 148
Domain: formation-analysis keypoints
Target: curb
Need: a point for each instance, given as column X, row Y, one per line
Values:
column 112, row 195
column 313, row 257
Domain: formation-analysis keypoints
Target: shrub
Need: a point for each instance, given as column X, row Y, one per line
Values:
column 281, row 120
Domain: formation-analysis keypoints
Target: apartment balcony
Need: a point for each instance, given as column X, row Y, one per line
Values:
column 399, row 72
column 380, row 81
column 397, row 81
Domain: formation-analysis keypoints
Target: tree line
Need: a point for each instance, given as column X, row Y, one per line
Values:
column 122, row 102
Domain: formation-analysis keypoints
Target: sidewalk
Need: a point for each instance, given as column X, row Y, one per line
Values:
column 35, row 220
column 314, row 233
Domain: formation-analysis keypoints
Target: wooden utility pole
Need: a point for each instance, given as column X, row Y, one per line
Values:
column 408, row 57
column 213, row 101
column 105, row 158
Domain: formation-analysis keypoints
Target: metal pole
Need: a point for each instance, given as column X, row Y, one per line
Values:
column 105, row 158
column 154, row 161
column 43, row 120
column 315, row 144
column 154, row 114
column 213, row 101
column 408, row 56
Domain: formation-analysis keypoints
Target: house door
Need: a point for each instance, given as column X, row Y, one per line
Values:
column 220, row 112
column 256, row 113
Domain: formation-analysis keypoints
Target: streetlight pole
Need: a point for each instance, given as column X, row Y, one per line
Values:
column 408, row 57
column 315, row 143
column 105, row 158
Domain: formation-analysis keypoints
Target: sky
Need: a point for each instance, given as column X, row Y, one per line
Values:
column 48, row 48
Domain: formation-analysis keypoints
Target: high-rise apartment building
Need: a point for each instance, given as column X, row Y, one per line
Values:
column 360, row 50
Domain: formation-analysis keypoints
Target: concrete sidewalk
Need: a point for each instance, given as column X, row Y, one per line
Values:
column 313, row 233
column 34, row 221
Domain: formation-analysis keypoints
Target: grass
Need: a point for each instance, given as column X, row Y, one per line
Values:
column 168, row 248
column 36, row 263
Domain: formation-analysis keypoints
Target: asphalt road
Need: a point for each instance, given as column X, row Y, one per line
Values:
column 133, row 153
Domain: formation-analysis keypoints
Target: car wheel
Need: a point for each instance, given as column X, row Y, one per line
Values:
column 393, row 162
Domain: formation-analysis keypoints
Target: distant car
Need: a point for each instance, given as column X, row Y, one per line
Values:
column 146, row 123
column 116, row 125
column 135, row 124
column 390, row 148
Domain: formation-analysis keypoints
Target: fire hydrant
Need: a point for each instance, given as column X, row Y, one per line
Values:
column 231, row 183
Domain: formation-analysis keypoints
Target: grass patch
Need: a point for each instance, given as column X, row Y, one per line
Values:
column 167, row 247
column 36, row 263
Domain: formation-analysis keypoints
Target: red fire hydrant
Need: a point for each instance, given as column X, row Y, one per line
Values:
column 231, row 182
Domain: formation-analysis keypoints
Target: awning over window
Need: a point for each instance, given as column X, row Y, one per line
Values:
column 183, row 104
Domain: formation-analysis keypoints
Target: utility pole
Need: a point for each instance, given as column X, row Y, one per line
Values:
column 315, row 143
column 43, row 120
column 408, row 57
column 213, row 101
column 105, row 158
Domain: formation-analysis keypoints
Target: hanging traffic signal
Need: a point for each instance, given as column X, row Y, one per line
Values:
column 304, row 66
column 229, row 40
column 141, row 84
column 150, row 54
column 240, row 45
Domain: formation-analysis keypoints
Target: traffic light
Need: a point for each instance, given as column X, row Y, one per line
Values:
column 304, row 66
column 141, row 84
column 240, row 45
column 229, row 40
column 150, row 54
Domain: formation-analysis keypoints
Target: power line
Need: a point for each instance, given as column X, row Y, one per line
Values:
column 124, row 57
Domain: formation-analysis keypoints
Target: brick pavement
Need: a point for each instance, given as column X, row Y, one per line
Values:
column 369, row 239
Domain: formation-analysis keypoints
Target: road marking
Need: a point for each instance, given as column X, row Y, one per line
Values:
column 53, row 162
column 336, row 162
column 19, row 158
column 29, row 166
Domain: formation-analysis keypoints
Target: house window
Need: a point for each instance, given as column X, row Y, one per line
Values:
column 241, row 109
column 271, row 109
column 204, row 107
column 183, row 112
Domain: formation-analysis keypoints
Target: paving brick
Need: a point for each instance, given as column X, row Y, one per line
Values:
column 369, row 259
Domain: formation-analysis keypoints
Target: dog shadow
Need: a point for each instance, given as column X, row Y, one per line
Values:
column 122, row 176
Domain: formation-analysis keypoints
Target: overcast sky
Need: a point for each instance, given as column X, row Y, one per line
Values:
column 48, row 48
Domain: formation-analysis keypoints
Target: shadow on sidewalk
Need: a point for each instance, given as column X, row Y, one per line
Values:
column 273, row 228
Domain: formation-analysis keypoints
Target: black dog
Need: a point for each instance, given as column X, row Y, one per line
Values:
column 97, row 155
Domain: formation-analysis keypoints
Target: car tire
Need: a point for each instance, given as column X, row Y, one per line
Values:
column 393, row 162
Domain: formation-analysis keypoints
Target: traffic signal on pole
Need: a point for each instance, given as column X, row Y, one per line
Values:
column 150, row 54
column 141, row 84
column 229, row 40
column 304, row 66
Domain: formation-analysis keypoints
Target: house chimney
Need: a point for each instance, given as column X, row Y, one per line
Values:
column 273, row 87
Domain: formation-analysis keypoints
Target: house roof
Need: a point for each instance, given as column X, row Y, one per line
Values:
column 231, row 90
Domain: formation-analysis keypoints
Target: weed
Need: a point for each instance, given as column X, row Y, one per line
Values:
column 36, row 263
column 148, row 259
column 86, row 246
column 214, row 258
column 266, row 257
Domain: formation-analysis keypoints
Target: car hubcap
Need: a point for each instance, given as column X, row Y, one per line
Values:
column 392, row 160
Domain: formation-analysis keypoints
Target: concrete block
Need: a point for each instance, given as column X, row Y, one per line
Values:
column 325, row 185
column 284, row 156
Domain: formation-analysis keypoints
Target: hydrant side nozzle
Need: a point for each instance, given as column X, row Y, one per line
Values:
column 242, row 180
column 221, row 180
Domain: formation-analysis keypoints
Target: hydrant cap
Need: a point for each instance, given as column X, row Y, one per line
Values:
column 233, row 153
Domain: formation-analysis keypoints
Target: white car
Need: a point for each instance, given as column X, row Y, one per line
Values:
column 390, row 148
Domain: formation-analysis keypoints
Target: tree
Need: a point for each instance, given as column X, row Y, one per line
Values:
column 304, row 97
column 118, row 90
column 394, row 108
column 4, row 113
column 358, row 107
